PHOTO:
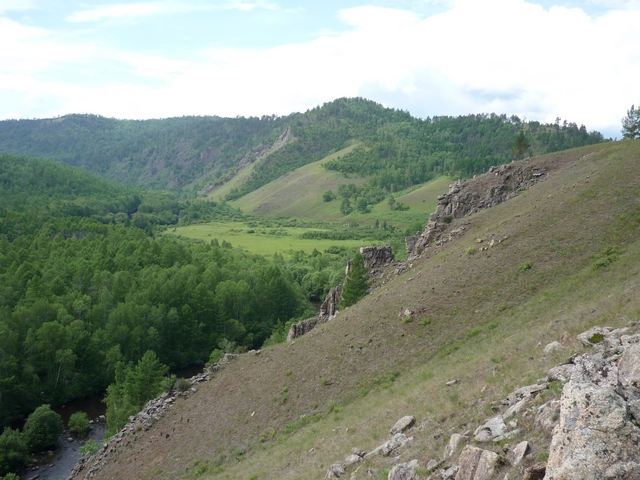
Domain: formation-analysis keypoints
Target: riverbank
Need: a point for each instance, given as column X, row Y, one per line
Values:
column 57, row 464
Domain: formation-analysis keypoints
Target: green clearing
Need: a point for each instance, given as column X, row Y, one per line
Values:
column 296, row 194
column 266, row 240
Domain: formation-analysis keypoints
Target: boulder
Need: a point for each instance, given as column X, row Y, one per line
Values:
column 330, row 305
column 492, row 428
column 552, row 348
column 547, row 416
column 404, row 471
column 518, row 453
column 596, row 437
column 454, row 442
column 477, row 464
column 402, row 425
column 561, row 373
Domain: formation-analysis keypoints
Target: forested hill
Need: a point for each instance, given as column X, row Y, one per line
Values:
column 192, row 153
column 85, row 291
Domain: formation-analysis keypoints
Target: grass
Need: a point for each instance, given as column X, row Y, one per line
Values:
column 299, row 194
column 264, row 240
column 482, row 321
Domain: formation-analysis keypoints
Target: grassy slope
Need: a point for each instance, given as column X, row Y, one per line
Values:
column 298, row 193
column 486, row 322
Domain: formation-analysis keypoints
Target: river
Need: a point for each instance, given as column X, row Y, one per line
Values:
column 57, row 464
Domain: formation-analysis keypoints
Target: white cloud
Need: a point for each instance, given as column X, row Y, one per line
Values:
column 503, row 56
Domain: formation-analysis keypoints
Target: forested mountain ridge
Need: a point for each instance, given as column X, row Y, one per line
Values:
column 200, row 153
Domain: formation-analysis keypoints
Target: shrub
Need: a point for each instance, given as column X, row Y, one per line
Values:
column 91, row 447
column 13, row 451
column 525, row 266
column 182, row 385
column 79, row 424
column 43, row 428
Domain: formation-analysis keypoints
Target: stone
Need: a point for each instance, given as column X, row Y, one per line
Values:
column 329, row 307
column 552, row 347
column 547, row 416
column 492, row 428
column 404, row 471
column 561, row 373
column 596, row 436
column 432, row 465
column 402, row 425
column 477, row 464
column 593, row 336
column 518, row 453
column 335, row 471
column 454, row 442
column 527, row 391
column 516, row 408
column 449, row 473
column 351, row 460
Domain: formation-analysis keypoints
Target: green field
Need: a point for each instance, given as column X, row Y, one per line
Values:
column 265, row 240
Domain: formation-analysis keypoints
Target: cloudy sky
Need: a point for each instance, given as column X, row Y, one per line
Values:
column 539, row 59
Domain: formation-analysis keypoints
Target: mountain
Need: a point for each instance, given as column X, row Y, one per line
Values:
column 443, row 339
column 197, row 155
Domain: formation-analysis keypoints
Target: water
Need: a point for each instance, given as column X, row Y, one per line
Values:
column 59, row 465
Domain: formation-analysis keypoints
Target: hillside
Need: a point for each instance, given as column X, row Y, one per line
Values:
column 567, row 259
column 197, row 155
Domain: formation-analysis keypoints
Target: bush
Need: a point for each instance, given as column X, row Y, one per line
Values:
column 79, row 424
column 43, row 428
column 13, row 452
column 91, row 446
column 182, row 385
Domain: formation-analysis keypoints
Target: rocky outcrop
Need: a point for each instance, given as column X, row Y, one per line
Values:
column 329, row 307
column 598, row 434
column 375, row 257
column 466, row 197
column 328, row 311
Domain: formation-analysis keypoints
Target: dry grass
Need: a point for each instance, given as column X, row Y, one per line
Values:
column 486, row 321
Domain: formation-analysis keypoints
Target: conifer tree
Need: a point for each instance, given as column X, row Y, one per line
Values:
column 357, row 282
column 631, row 124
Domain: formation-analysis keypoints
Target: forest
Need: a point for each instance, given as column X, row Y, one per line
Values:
column 191, row 155
column 87, row 285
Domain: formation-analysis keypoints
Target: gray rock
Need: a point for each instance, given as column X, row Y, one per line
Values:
column 449, row 473
column 454, row 442
column 560, row 373
column 516, row 408
column 492, row 428
column 594, row 336
column 376, row 256
column 552, row 347
column 477, row 464
column 596, row 436
column 523, row 392
column 402, row 425
column 518, row 453
column 404, row 471
column 547, row 416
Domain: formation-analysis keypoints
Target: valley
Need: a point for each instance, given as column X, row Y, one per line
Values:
column 216, row 243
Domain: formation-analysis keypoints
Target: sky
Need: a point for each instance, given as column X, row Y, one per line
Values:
column 538, row 59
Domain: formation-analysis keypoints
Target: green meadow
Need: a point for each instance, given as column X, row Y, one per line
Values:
column 266, row 241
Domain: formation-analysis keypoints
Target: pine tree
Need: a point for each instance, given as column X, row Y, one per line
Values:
column 631, row 124
column 521, row 145
column 357, row 282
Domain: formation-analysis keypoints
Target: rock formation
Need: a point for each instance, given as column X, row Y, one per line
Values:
column 374, row 259
column 466, row 197
column 377, row 256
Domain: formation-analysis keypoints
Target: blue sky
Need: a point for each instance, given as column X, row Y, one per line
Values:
column 577, row 60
